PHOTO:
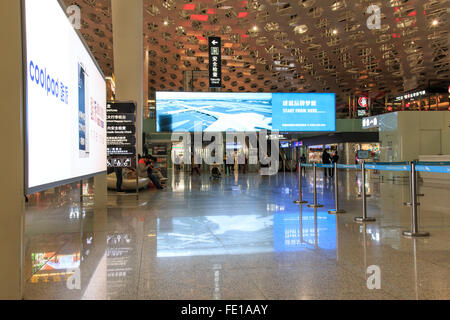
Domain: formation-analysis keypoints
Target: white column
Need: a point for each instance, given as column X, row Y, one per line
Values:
column 11, row 161
column 128, row 29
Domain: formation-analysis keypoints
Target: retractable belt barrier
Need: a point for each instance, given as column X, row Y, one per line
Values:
column 388, row 167
column 321, row 165
column 436, row 169
column 349, row 166
column 412, row 167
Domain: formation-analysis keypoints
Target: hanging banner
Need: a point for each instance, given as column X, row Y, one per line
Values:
column 215, row 62
column 121, row 134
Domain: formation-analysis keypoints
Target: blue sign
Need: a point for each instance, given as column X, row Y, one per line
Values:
column 304, row 112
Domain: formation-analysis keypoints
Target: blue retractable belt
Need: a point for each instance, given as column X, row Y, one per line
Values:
column 349, row 166
column 321, row 165
column 437, row 169
column 388, row 167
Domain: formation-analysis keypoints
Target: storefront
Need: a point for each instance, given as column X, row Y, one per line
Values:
column 374, row 151
column 314, row 154
column 434, row 99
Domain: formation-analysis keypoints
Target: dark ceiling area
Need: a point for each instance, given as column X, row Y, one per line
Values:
column 286, row 46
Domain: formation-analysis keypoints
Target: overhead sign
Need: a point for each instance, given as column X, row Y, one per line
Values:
column 363, row 103
column 412, row 95
column 363, row 106
column 245, row 112
column 65, row 101
column 215, row 62
column 121, row 134
column 370, row 122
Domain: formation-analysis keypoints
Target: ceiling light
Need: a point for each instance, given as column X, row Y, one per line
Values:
column 435, row 22
column 301, row 29
column 255, row 28
column 335, row 31
column 166, row 22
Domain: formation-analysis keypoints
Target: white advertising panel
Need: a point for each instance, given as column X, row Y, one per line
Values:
column 65, row 100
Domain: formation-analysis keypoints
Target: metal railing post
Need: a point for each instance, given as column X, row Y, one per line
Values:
column 315, row 205
column 337, row 210
column 364, row 218
column 414, row 204
column 300, row 189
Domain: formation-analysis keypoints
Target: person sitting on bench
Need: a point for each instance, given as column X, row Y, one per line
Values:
column 145, row 170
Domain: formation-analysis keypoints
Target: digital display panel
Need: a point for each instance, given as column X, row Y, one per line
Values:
column 65, row 101
column 245, row 112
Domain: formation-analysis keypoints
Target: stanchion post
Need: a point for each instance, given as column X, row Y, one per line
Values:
column 315, row 205
column 364, row 218
column 81, row 192
column 300, row 189
column 337, row 210
column 414, row 233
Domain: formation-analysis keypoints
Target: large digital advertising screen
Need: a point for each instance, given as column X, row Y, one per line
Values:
column 245, row 112
column 65, row 100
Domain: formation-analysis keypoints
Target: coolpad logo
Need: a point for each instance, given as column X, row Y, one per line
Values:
column 56, row 88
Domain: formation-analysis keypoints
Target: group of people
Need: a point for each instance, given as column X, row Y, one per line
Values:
column 146, row 169
column 329, row 159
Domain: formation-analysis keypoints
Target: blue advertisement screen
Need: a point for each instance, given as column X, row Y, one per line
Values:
column 245, row 112
column 304, row 112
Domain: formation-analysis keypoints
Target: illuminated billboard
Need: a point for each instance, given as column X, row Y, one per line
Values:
column 245, row 112
column 65, row 101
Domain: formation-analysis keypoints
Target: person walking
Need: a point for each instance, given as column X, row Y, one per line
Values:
column 326, row 159
column 302, row 161
column 334, row 159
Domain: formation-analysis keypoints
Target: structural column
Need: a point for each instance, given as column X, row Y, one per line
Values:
column 128, row 29
column 11, row 130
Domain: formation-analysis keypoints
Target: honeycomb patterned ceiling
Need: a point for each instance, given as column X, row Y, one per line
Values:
column 286, row 46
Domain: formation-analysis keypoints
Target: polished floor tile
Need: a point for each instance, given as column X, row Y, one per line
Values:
column 239, row 238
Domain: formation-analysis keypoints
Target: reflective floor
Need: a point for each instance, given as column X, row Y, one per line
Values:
column 241, row 237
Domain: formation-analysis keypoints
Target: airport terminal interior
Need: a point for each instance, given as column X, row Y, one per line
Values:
column 225, row 150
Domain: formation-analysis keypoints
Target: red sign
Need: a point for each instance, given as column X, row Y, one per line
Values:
column 363, row 103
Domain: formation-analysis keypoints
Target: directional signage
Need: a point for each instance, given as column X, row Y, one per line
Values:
column 370, row 122
column 215, row 62
column 121, row 134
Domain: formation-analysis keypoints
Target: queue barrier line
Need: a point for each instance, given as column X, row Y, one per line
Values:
column 436, row 169
column 388, row 163
column 412, row 167
column 349, row 166
column 422, row 163
column 388, row 167
column 321, row 165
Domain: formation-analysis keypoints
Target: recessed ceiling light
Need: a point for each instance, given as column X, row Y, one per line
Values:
column 166, row 22
column 255, row 28
column 335, row 31
column 301, row 29
column 435, row 22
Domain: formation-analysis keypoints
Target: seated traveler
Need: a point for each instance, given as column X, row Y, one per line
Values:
column 145, row 170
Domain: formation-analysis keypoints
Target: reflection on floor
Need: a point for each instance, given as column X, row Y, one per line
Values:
column 237, row 238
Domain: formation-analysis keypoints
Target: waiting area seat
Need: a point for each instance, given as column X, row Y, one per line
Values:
column 127, row 184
